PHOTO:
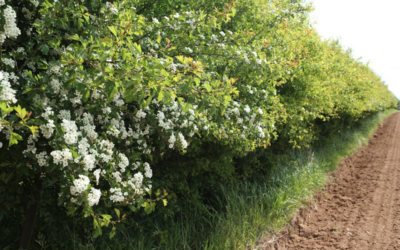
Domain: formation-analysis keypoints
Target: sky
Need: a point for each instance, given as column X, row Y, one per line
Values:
column 369, row 27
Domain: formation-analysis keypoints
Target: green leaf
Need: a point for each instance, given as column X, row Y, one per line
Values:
column 160, row 96
column 148, row 101
column 138, row 48
column 6, row 110
column 21, row 113
column 86, row 95
column 165, row 202
column 14, row 138
column 111, row 95
column 107, row 219
column 149, row 207
column 74, row 154
column 227, row 99
column 207, row 87
column 26, row 90
column 124, row 54
column 74, row 37
column 113, row 30
column 18, row 109
column 181, row 59
column 71, row 210
column 112, row 233
column 97, row 228
column 6, row 177
column 34, row 129
column 86, row 16
column 186, row 107
column 117, row 212
column 45, row 49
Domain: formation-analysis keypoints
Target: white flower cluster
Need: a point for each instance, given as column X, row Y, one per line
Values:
column 118, row 101
column 80, row 185
column 147, row 170
column 111, row 7
column 172, row 117
column 35, row 3
column 62, row 156
column 89, row 162
column 8, row 61
column 47, row 129
column 123, row 162
column 42, row 159
column 140, row 114
column 7, row 93
column 188, row 50
column 96, row 174
column 248, row 122
column 94, row 196
column 71, row 131
column 31, row 148
column 10, row 27
column 117, row 195
column 27, row 13
column 56, row 85
column 184, row 143
column 171, row 140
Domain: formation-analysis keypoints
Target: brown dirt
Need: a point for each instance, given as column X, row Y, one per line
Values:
column 360, row 208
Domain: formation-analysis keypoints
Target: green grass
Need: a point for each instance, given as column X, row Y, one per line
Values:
column 245, row 211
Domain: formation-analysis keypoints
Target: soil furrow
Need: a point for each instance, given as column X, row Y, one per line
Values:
column 361, row 206
column 384, row 214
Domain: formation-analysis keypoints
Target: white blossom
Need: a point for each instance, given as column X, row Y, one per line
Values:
column 147, row 170
column 171, row 140
column 94, row 196
column 96, row 173
column 80, row 185
column 35, row 3
column 10, row 27
column 7, row 93
column 111, row 7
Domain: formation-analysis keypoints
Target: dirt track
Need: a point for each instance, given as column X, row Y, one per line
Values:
column 361, row 208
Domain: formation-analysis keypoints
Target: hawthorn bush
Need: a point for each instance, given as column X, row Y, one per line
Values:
column 107, row 106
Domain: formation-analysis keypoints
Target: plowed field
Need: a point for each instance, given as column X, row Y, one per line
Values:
column 361, row 206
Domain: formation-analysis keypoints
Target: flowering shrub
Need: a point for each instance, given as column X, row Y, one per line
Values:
column 93, row 93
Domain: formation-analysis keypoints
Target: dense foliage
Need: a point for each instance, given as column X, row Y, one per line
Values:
column 111, row 105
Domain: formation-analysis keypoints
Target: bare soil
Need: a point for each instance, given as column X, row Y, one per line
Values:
column 360, row 208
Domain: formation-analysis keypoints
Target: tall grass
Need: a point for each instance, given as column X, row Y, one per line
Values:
column 243, row 212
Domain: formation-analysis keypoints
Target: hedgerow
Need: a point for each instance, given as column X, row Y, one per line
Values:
column 111, row 105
